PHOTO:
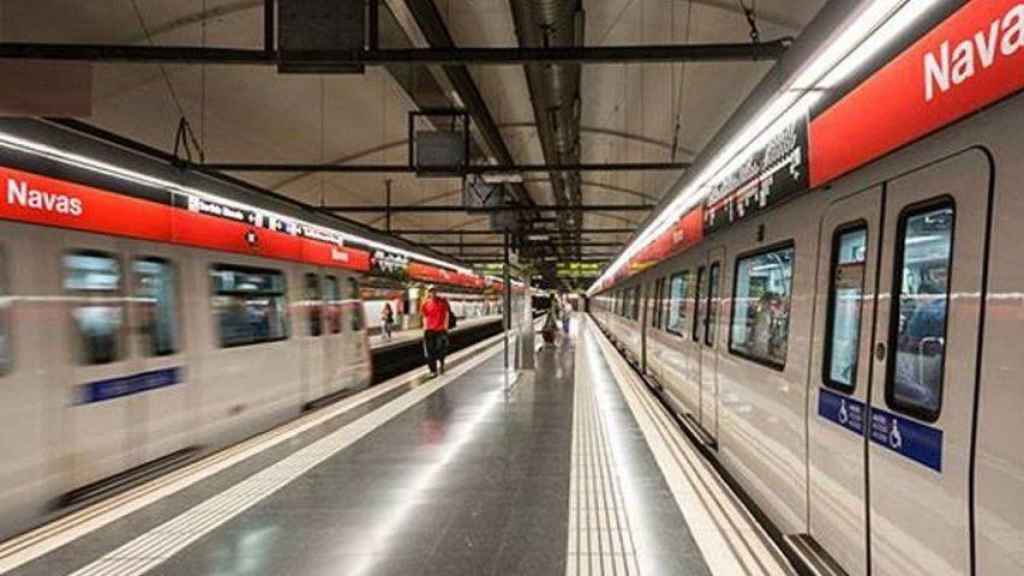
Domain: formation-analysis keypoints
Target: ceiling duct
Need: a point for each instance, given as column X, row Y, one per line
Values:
column 555, row 95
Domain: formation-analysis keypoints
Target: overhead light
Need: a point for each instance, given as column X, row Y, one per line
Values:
column 502, row 178
column 876, row 26
column 539, row 237
column 23, row 145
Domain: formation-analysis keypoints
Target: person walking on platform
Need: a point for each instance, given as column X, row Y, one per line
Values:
column 387, row 319
column 435, row 312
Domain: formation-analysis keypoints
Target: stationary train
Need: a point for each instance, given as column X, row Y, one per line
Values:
column 851, row 355
column 149, row 315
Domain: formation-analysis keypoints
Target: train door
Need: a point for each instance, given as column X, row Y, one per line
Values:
column 840, row 377
column 645, row 316
column 102, row 430
column 334, row 339
column 355, row 345
column 154, row 274
column 696, row 354
column 312, row 326
column 894, row 411
column 924, row 377
column 709, row 344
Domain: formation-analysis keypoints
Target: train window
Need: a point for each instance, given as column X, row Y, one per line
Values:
column 918, row 325
column 333, row 299
column 760, row 322
column 354, row 305
column 665, row 301
column 842, row 340
column 677, row 303
column 636, row 302
column 697, row 300
column 156, row 290
column 626, row 294
column 250, row 305
column 313, row 302
column 659, row 285
column 6, row 346
column 94, row 278
column 711, row 308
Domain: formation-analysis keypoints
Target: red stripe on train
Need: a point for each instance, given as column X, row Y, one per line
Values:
column 971, row 60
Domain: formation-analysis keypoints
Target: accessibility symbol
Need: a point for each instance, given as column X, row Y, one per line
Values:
column 895, row 438
column 844, row 416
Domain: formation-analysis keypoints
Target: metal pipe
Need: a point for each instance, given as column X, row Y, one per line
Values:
column 268, row 27
column 345, row 59
column 454, row 172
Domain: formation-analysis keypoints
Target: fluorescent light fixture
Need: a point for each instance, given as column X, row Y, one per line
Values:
column 22, row 145
column 502, row 178
column 539, row 237
column 866, row 33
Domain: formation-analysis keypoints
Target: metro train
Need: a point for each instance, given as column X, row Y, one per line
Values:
column 146, row 321
column 851, row 355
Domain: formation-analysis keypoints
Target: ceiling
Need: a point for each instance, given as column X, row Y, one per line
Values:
column 628, row 113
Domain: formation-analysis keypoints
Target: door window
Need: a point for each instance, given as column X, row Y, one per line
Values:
column 636, row 302
column 842, row 339
column 711, row 308
column 156, row 289
column 94, row 281
column 353, row 302
column 659, row 288
column 6, row 345
column 918, row 324
column 760, row 322
column 313, row 303
column 333, row 300
column 696, row 305
column 250, row 305
column 677, row 303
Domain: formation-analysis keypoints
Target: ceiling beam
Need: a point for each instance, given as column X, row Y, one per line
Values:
column 460, row 208
column 344, row 59
column 583, row 244
column 454, row 172
column 456, row 232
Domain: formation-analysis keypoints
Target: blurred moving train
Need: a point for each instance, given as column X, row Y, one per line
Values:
column 852, row 355
column 145, row 320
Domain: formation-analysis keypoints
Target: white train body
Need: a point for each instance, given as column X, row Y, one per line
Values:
column 64, row 437
column 861, row 407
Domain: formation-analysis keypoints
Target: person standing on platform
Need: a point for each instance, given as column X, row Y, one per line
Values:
column 435, row 312
column 387, row 319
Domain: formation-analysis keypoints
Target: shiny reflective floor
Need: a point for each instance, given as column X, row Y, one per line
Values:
column 472, row 473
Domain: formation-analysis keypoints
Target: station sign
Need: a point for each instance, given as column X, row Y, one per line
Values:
column 768, row 175
column 578, row 269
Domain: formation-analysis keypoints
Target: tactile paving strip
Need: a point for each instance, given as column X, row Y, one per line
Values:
column 600, row 538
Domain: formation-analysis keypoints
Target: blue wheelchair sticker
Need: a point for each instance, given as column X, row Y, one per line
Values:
column 910, row 439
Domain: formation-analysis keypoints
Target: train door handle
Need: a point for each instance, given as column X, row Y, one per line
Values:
column 880, row 352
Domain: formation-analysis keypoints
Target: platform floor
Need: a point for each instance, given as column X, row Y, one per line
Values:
column 556, row 471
